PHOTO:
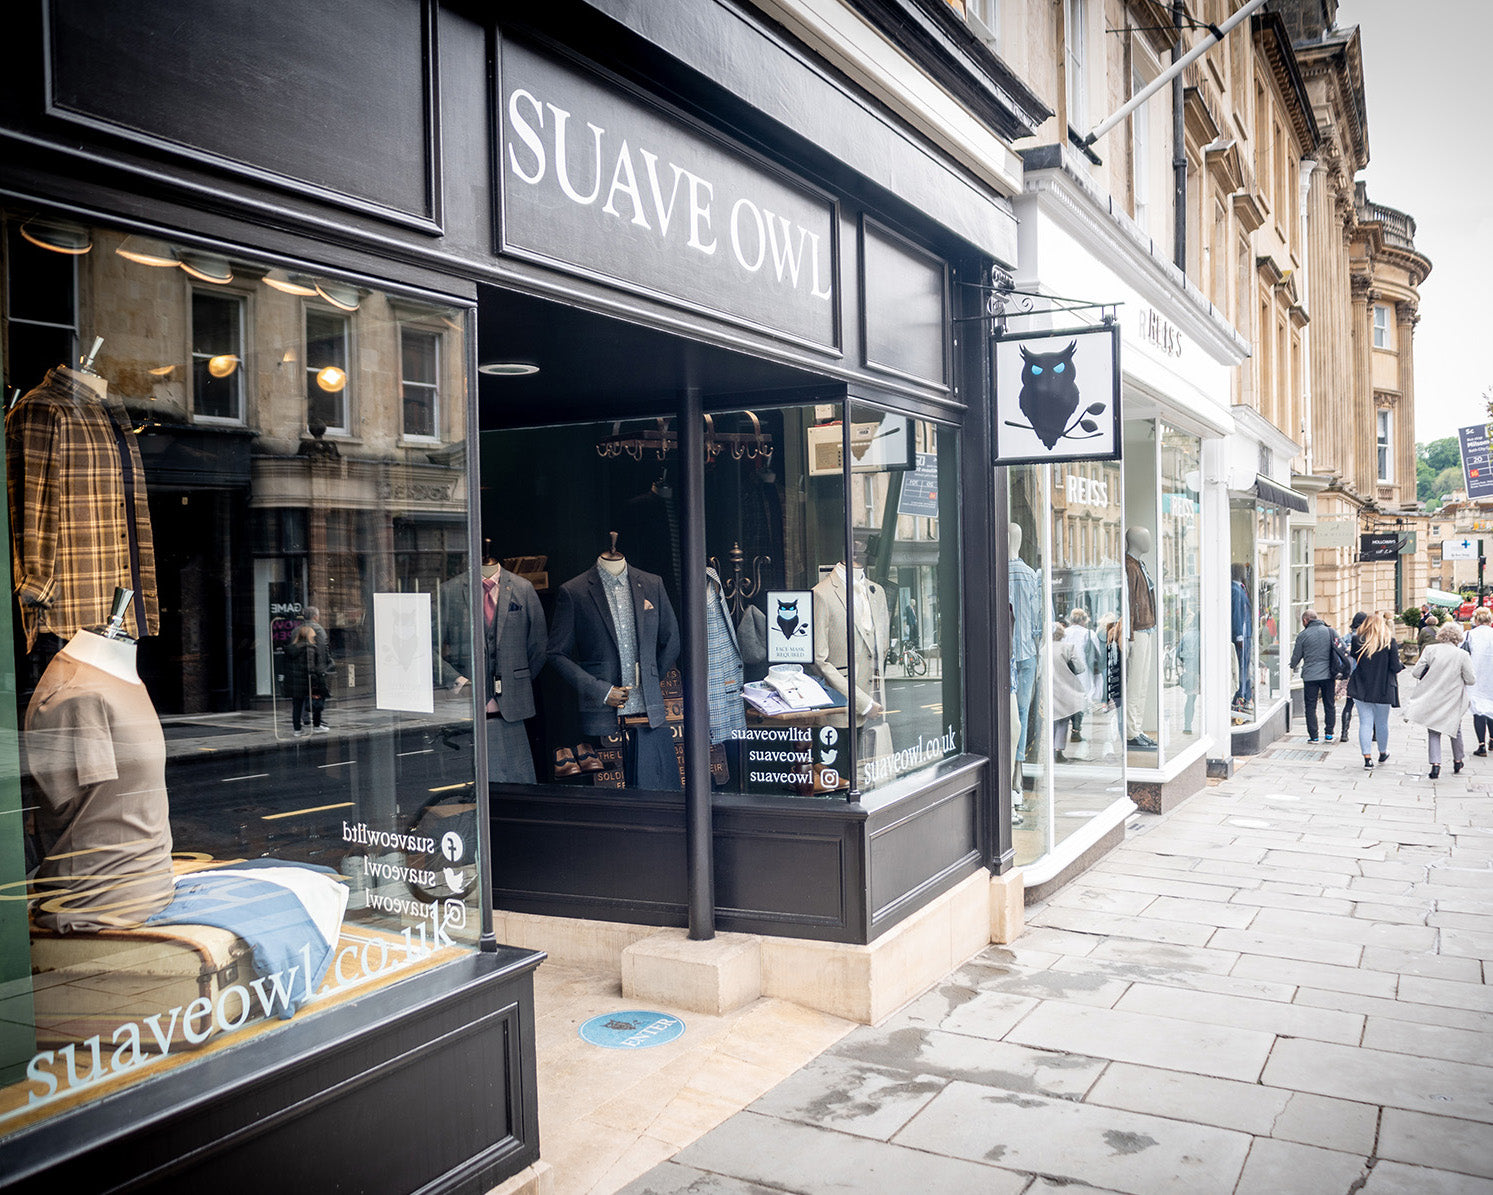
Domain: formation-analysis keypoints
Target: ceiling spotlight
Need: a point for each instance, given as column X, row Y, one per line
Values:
column 57, row 236
column 222, row 365
column 208, row 269
column 345, row 298
column 290, row 284
column 507, row 369
column 331, row 378
column 148, row 253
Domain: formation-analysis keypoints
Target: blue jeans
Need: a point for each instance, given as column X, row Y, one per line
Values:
column 1373, row 725
column 1024, row 681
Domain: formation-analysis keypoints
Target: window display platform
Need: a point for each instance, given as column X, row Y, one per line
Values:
column 1253, row 737
column 339, row 1101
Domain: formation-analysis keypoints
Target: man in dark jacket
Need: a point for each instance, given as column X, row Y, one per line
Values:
column 1317, row 651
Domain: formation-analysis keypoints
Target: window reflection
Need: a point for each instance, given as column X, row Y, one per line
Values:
column 265, row 732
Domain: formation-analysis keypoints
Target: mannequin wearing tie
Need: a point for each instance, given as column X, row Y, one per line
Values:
column 517, row 636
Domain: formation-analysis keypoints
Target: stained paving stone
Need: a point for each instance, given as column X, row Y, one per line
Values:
column 1106, row 1147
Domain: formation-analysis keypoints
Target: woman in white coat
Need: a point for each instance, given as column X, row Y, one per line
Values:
column 1439, row 703
column 1479, row 645
column 1070, row 689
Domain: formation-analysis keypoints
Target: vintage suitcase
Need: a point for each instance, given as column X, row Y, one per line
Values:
column 87, row 984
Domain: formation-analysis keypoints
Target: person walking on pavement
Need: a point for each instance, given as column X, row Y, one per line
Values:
column 308, row 659
column 1319, row 655
column 1374, row 685
column 1354, row 643
column 1479, row 645
column 1439, row 700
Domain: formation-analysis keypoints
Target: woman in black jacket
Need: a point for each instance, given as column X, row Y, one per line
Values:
column 309, row 659
column 1374, row 685
column 1354, row 643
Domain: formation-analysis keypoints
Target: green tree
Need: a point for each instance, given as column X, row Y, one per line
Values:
column 1438, row 470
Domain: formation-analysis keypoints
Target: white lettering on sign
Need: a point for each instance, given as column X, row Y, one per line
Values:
column 134, row 1044
column 1087, row 491
column 544, row 142
column 1160, row 332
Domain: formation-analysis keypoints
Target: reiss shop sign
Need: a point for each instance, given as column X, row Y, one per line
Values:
column 598, row 180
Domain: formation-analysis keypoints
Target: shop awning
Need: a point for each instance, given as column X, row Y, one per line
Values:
column 1440, row 597
column 1277, row 495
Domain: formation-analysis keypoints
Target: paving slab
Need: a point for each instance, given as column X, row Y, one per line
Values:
column 1165, row 1042
column 1240, row 1012
column 1223, row 1103
column 785, row 1156
column 1105, row 1147
column 1396, row 1178
column 1431, row 1085
column 1276, row 1166
column 1462, row 1146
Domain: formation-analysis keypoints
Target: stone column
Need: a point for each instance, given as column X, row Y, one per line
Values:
column 1406, row 316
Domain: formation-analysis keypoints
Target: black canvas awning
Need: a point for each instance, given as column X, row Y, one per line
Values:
column 1277, row 495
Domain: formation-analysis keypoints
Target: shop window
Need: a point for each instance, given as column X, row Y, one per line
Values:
column 1243, row 603
column 1067, row 657
column 420, row 363
column 1140, row 152
column 1384, row 446
column 808, row 635
column 218, row 356
column 1181, row 590
column 245, row 799
column 1273, row 637
column 328, row 378
column 1381, row 326
column 41, row 284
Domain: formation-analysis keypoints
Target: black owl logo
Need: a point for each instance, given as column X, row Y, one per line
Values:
column 788, row 618
column 1050, row 399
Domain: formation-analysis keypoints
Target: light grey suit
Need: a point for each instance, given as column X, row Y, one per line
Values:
column 832, row 639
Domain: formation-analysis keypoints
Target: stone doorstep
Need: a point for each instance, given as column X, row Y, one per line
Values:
column 859, row 983
column 538, row 1179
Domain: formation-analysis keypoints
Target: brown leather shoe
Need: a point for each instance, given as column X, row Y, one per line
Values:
column 586, row 758
column 565, row 764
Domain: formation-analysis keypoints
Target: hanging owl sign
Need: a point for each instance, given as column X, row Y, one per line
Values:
column 1057, row 396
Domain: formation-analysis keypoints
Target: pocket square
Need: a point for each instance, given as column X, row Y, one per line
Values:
column 647, row 605
column 514, row 608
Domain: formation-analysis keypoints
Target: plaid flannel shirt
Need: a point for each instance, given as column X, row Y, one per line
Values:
column 79, row 520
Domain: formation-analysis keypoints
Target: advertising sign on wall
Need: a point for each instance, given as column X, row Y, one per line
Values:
column 1378, row 546
column 1477, row 469
column 1057, row 396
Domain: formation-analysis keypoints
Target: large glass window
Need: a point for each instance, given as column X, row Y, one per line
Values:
column 1384, row 445
column 809, row 635
column 1065, row 542
column 1243, row 602
column 234, row 795
column 419, row 363
column 1143, row 560
column 1181, row 589
column 328, row 377
column 217, row 356
column 1274, row 637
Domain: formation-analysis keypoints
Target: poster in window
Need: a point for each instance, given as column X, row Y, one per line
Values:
column 402, row 655
column 1057, row 396
column 790, row 626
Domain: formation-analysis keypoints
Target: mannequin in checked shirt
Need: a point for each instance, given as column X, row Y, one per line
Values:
column 79, row 519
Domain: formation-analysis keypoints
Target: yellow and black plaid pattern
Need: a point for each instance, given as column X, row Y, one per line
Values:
column 76, row 531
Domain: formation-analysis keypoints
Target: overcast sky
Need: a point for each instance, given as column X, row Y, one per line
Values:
column 1428, row 86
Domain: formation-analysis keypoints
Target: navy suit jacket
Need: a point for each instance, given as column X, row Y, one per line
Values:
column 583, row 645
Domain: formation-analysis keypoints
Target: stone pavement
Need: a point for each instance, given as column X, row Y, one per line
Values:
column 1280, row 986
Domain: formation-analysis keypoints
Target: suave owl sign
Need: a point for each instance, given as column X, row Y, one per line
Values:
column 1057, row 396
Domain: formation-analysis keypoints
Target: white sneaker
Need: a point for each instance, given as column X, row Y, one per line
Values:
column 322, row 729
column 297, row 734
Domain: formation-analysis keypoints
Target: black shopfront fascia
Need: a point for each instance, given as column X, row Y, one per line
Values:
column 386, row 173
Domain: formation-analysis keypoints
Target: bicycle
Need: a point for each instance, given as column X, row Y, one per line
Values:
column 911, row 660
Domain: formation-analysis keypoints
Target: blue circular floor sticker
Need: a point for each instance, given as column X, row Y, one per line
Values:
column 632, row 1030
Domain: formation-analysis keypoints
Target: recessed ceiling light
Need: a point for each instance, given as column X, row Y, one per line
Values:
column 345, row 298
column 148, row 253
column 57, row 236
column 290, row 284
column 507, row 369
column 208, row 269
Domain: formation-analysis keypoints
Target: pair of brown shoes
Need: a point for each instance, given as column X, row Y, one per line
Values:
column 573, row 763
